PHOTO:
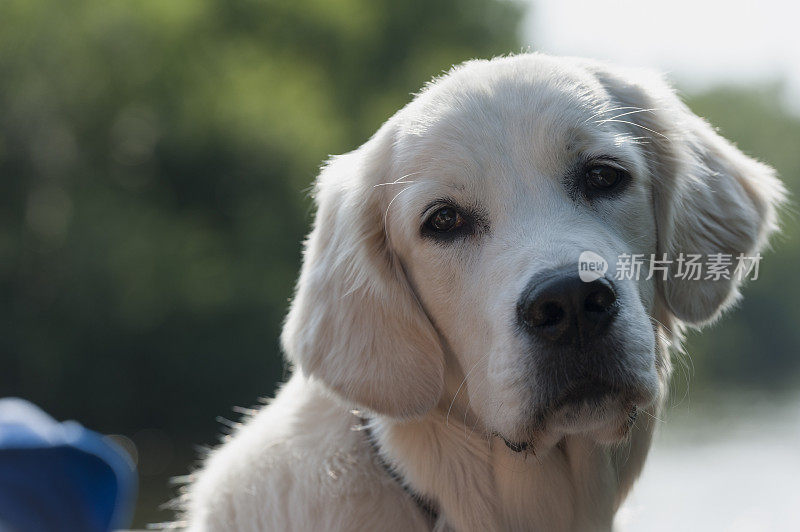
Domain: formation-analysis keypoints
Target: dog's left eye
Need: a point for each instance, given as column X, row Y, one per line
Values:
column 604, row 178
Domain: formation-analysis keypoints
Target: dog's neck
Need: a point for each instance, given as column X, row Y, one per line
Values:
column 477, row 483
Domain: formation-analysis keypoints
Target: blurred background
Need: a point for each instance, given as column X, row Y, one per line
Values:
column 155, row 158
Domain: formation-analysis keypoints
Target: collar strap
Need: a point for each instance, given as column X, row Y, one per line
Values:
column 425, row 505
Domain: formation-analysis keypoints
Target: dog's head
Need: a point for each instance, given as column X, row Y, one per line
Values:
column 471, row 248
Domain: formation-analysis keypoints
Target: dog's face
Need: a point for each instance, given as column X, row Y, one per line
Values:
column 446, row 249
column 499, row 197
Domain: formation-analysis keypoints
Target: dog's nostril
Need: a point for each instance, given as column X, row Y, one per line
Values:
column 600, row 300
column 546, row 314
column 543, row 314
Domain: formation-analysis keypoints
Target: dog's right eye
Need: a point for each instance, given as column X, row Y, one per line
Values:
column 444, row 220
column 447, row 223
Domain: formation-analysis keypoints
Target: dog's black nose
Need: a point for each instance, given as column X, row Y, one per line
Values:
column 560, row 308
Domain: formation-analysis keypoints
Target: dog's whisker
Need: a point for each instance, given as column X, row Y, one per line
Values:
column 645, row 412
column 630, row 113
column 653, row 131
column 447, row 417
column 386, row 214
column 467, row 409
column 656, row 321
column 401, row 179
column 393, row 183
column 611, row 110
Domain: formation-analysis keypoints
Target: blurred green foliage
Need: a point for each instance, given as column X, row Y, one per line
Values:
column 154, row 157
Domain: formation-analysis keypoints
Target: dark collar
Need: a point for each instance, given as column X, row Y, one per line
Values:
column 425, row 505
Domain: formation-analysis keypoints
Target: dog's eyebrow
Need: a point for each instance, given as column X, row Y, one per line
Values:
column 608, row 158
column 439, row 202
column 623, row 156
column 445, row 197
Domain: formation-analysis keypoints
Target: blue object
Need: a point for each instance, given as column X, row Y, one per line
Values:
column 60, row 476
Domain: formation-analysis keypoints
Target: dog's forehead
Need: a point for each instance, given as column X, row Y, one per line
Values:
column 523, row 111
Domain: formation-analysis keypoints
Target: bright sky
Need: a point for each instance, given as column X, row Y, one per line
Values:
column 696, row 42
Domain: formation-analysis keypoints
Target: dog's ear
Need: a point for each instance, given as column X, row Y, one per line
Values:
column 708, row 196
column 355, row 323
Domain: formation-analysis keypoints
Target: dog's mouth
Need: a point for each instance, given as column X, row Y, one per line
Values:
column 517, row 447
column 585, row 391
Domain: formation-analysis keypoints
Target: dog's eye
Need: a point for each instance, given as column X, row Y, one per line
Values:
column 603, row 177
column 444, row 220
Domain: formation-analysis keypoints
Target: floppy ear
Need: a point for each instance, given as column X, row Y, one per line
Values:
column 709, row 197
column 355, row 323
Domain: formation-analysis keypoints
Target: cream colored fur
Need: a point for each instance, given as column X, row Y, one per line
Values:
column 419, row 335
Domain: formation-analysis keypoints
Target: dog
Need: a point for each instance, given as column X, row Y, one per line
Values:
column 455, row 367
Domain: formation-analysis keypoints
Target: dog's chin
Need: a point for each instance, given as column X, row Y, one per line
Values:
column 604, row 417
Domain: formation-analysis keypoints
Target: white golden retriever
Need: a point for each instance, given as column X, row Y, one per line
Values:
column 452, row 371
